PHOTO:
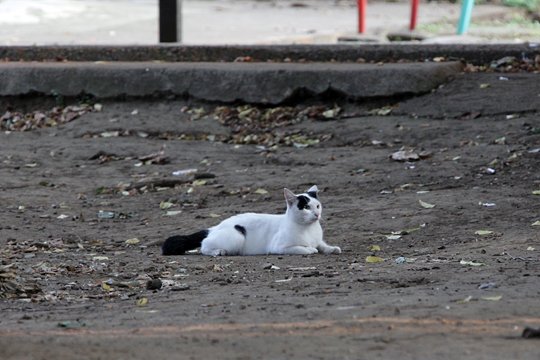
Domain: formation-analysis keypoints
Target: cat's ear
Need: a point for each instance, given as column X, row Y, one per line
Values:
column 313, row 191
column 289, row 196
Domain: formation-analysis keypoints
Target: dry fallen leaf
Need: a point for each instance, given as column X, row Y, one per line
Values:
column 142, row 301
column 133, row 241
column 375, row 248
column 471, row 263
column 199, row 182
column 426, row 205
column 374, row 259
column 466, row 300
column 405, row 155
column 106, row 286
column 164, row 205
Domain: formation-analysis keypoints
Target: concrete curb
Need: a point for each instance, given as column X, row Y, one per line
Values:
column 474, row 53
column 266, row 83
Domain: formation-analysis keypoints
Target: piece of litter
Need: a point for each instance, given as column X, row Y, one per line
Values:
column 471, row 263
column 503, row 78
column 487, row 204
column 173, row 212
column 490, row 171
column 393, row 237
column 492, row 298
column 100, row 258
column 62, row 216
column 403, row 259
column 184, row 172
column 283, row 280
column 536, row 223
column 102, row 214
column 483, row 232
column 303, row 268
column 261, row 191
column 485, row 286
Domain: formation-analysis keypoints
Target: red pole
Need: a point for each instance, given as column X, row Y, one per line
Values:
column 414, row 14
column 362, row 4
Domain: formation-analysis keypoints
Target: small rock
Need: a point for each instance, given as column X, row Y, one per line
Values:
column 154, row 284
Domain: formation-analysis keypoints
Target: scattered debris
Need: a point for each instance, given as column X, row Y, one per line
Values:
column 17, row 121
column 483, row 232
column 157, row 158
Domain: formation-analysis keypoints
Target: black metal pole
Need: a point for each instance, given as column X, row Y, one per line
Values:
column 169, row 26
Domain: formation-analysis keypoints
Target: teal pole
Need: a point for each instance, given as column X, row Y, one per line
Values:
column 465, row 18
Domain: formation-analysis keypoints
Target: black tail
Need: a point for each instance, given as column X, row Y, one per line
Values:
column 179, row 244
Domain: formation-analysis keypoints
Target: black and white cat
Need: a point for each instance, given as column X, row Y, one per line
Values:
column 298, row 231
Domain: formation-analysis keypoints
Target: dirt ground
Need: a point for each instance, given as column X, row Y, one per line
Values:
column 440, row 254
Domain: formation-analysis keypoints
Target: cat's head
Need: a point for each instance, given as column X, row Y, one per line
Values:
column 305, row 208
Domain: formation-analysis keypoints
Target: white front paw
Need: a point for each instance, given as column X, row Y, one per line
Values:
column 335, row 250
column 312, row 250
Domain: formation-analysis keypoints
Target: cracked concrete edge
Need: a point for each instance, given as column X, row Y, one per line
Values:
column 473, row 53
column 264, row 83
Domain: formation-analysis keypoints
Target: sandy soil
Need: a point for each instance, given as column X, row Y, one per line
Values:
column 458, row 275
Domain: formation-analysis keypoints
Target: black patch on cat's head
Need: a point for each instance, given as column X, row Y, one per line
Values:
column 313, row 194
column 303, row 202
column 241, row 229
